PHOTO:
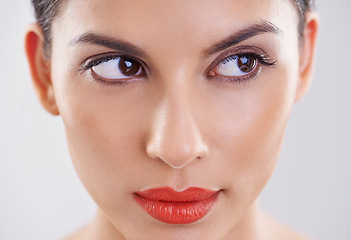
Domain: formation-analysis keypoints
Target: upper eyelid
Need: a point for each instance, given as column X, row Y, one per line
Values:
column 241, row 50
column 102, row 55
column 90, row 62
column 112, row 55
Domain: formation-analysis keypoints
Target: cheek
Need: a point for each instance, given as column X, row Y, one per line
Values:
column 105, row 144
column 250, row 130
column 103, row 132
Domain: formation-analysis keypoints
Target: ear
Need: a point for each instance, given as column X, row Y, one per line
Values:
column 307, row 54
column 40, row 68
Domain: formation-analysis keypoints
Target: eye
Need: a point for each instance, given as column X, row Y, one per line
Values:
column 235, row 66
column 117, row 68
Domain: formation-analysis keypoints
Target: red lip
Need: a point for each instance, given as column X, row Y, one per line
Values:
column 170, row 206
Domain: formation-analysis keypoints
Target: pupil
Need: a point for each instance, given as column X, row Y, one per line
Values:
column 246, row 64
column 128, row 66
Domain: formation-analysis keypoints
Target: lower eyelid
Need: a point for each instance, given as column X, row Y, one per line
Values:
column 109, row 83
column 246, row 78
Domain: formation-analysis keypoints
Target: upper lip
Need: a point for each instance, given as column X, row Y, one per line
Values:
column 167, row 194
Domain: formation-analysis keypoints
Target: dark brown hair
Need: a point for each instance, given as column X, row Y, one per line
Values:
column 47, row 10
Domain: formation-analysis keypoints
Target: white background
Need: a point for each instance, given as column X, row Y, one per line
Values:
column 41, row 197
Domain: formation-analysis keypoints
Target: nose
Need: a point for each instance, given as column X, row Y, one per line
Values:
column 175, row 136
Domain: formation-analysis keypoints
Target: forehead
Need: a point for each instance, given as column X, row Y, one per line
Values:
column 188, row 23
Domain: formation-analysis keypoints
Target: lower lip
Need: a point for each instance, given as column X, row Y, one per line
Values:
column 169, row 206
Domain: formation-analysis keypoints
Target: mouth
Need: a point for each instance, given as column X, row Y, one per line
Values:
column 170, row 206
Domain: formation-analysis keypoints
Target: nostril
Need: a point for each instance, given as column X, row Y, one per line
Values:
column 176, row 154
column 177, row 163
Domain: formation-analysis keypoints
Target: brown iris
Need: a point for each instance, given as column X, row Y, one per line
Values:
column 128, row 66
column 246, row 63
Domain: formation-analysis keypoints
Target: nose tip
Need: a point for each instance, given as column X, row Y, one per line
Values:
column 175, row 138
column 177, row 150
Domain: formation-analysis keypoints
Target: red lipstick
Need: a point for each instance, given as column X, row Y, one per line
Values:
column 170, row 206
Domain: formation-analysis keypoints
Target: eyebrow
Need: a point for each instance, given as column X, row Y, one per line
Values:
column 129, row 48
column 109, row 42
column 242, row 35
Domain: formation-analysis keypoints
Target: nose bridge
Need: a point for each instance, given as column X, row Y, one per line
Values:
column 176, row 138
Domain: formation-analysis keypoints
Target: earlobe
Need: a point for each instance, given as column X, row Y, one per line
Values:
column 39, row 66
column 307, row 54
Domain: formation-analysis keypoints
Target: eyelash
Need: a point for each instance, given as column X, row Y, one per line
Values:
column 259, row 56
column 93, row 61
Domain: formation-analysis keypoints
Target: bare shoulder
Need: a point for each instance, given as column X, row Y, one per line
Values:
column 280, row 231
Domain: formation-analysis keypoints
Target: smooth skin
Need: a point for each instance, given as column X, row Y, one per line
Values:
column 175, row 125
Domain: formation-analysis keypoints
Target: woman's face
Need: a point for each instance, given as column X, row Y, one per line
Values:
column 200, row 98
